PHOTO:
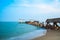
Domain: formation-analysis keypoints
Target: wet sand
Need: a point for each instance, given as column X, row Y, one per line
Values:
column 51, row 35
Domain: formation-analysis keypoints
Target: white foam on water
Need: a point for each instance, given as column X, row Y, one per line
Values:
column 30, row 35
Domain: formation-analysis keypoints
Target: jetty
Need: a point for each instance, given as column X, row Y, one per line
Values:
column 35, row 23
column 54, row 21
column 55, row 26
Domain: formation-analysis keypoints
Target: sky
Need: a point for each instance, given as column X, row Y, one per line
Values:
column 39, row 10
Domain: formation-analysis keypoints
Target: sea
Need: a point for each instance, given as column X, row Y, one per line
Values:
column 12, row 29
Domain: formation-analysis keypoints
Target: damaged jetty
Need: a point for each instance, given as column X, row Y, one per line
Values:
column 48, row 25
column 55, row 26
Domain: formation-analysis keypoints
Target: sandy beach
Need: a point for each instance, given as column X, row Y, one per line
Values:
column 51, row 35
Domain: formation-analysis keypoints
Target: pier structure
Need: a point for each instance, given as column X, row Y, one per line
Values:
column 35, row 23
column 54, row 21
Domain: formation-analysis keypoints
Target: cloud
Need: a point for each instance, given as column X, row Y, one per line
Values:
column 42, row 7
column 37, row 9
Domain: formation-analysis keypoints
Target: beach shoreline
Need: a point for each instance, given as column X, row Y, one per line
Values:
column 51, row 35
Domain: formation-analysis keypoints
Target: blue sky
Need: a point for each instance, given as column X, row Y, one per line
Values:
column 13, row 10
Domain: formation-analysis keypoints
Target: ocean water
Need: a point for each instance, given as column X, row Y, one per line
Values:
column 12, row 29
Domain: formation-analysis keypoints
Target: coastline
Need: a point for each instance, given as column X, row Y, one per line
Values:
column 51, row 35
